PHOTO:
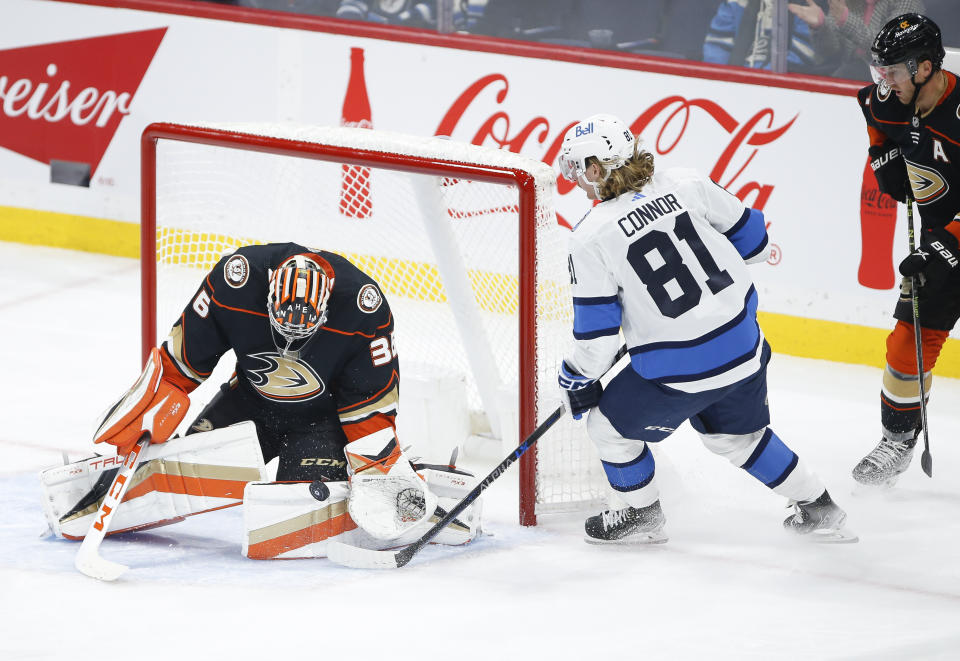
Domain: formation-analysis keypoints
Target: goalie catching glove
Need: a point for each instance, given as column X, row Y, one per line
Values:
column 152, row 405
column 935, row 259
column 580, row 393
column 387, row 496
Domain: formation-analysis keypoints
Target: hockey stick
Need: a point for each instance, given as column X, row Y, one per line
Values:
column 88, row 558
column 926, row 461
column 354, row 556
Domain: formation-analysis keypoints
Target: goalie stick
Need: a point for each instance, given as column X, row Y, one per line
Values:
column 88, row 559
column 360, row 558
column 926, row 461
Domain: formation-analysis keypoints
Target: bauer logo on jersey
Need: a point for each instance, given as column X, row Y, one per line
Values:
column 284, row 380
column 236, row 271
column 369, row 299
column 928, row 185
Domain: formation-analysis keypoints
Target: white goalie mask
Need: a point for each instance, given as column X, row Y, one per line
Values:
column 603, row 136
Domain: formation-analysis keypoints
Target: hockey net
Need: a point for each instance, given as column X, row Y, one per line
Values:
column 462, row 239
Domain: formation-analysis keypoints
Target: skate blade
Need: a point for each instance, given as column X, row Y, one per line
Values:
column 866, row 486
column 833, row 536
column 867, row 490
column 640, row 539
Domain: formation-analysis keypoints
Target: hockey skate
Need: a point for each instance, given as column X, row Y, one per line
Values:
column 885, row 463
column 627, row 526
column 820, row 520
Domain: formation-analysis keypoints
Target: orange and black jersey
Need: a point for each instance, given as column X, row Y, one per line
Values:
column 930, row 146
column 348, row 370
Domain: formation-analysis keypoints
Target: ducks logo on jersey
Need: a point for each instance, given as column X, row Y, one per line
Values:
column 285, row 380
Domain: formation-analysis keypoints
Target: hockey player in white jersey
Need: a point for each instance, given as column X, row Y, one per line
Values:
column 664, row 259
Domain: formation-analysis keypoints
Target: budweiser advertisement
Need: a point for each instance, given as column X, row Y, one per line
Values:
column 64, row 100
column 80, row 82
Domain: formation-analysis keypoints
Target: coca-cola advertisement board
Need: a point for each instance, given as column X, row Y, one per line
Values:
column 795, row 154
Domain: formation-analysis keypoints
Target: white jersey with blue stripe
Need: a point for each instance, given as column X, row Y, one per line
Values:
column 668, row 267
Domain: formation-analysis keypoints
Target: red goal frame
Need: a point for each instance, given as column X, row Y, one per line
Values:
column 521, row 179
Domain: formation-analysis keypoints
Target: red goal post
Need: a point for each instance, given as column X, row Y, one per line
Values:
column 464, row 232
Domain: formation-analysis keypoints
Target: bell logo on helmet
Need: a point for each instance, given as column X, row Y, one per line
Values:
column 584, row 129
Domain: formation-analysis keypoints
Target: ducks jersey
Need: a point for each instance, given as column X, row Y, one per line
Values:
column 348, row 370
column 930, row 146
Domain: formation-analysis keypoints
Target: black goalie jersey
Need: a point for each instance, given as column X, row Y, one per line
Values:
column 348, row 369
column 930, row 146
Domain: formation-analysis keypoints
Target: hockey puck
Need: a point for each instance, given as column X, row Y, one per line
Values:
column 319, row 490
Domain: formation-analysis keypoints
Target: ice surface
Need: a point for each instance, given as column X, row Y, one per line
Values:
column 730, row 584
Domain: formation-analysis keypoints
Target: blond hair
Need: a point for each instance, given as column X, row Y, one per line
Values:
column 631, row 176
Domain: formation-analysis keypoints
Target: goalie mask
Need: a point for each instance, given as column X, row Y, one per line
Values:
column 604, row 137
column 297, row 297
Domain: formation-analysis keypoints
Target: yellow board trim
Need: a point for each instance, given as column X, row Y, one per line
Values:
column 787, row 334
column 62, row 230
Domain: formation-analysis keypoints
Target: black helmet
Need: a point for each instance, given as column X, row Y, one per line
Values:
column 911, row 39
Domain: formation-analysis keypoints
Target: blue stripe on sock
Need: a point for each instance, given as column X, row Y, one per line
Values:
column 772, row 461
column 631, row 475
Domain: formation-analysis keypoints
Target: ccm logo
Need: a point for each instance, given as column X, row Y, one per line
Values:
column 321, row 461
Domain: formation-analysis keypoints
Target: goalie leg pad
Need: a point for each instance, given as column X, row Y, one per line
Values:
column 183, row 477
column 286, row 521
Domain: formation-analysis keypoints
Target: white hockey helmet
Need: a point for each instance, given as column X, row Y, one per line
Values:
column 603, row 136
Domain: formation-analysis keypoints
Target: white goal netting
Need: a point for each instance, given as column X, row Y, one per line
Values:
column 473, row 293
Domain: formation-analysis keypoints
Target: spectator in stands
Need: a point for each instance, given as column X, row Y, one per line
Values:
column 308, row 7
column 670, row 28
column 683, row 27
column 415, row 14
column 741, row 34
column 531, row 21
column 847, row 29
column 945, row 13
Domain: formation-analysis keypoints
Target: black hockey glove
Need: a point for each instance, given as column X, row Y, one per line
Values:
column 581, row 393
column 889, row 168
column 935, row 258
